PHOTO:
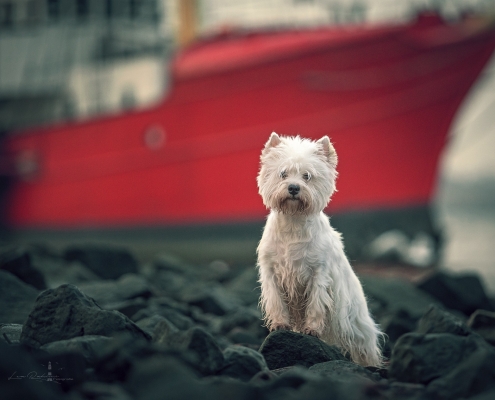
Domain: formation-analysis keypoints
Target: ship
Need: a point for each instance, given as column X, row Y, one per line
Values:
column 186, row 167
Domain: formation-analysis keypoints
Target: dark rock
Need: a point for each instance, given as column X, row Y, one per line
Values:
column 437, row 320
column 10, row 333
column 68, row 369
column 398, row 390
column 103, row 391
column 88, row 346
column 106, row 262
column 396, row 295
column 158, row 376
column 15, row 365
column 170, row 283
column 464, row 293
column 244, row 337
column 163, row 331
column 16, row 299
column 18, row 262
column 242, row 363
column 149, row 324
column 394, row 325
column 128, row 286
column 246, row 286
column 344, row 371
column 211, row 299
column 127, row 307
column 172, row 311
column 58, row 271
column 244, row 317
column 483, row 323
column 418, row 358
column 207, row 357
column 285, row 348
column 299, row 383
column 451, row 366
column 66, row 312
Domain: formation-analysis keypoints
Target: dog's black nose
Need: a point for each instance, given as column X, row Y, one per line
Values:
column 294, row 189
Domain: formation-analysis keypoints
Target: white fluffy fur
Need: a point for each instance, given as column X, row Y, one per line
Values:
column 307, row 283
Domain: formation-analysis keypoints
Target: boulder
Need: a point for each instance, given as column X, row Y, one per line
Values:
column 464, row 292
column 206, row 356
column 16, row 365
column 396, row 295
column 16, row 299
column 66, row 312
column 437, row 320
column 10, row 333
column 127, row 287
column 18, row 262
column 451, row 366
column 345, row 371
column 89, row 346
column 483, row 323
column 285, row 348
column 242, row 363
column 106, row 262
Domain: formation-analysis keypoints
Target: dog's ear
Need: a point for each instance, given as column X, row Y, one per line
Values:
column 273, row 141
column 326, row 148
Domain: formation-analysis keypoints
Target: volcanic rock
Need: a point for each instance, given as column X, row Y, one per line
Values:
column 18, row 262
column 10, row 333
column 345, row 371
column 66, row 312
column 464, row 292
column 450, row 365
column 128, row 286
column 207, row 357
column 16, row 299
column 285, row 348
column 89, row 346
column 483, row 323
column 108, row 263
column 242, row 363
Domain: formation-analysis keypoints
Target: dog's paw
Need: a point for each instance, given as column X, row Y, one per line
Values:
column 311, row 332
column 281, row 327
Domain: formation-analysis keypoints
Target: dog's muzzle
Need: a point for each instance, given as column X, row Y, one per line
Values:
column 293, row 189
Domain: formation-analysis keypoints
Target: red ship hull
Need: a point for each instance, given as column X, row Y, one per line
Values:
column 385, row 95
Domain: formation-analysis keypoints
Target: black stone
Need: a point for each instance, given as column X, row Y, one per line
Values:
column 451, row 366
column 88, row 346
column 106, row 262
column 206, row 356
column 242, row 363
column 437, row 320
column 345, row 371
column 18, row 262
column 16, row 299
column 464, row 293
column 66, row 312
column 286, row 348
column 15, row 365
column 483, row 323
column 10, row 333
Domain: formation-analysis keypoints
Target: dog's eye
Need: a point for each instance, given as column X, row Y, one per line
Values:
column 283, row 174
column 306, row 176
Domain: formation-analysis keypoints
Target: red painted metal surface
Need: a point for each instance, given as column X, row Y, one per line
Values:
column 385, row 95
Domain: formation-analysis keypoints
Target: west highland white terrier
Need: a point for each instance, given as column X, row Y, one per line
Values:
column 307, row 283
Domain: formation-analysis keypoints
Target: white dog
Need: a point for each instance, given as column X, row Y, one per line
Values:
column 307, row 283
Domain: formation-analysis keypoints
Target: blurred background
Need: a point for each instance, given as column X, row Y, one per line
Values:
column 64, row 63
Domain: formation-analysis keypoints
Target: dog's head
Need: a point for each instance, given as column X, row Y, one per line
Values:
column 297, row 176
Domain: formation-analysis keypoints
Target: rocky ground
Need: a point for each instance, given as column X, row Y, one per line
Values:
column 92, row 323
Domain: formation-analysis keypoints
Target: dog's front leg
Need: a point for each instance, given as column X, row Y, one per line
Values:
column 319, row 303
column 273, row 306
